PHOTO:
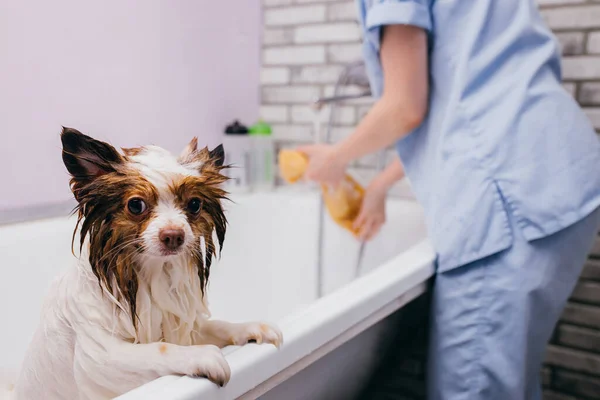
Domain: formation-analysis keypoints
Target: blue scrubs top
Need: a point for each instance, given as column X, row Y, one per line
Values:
column 501, row 136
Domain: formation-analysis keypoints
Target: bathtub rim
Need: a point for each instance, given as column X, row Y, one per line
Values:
column 309, row 334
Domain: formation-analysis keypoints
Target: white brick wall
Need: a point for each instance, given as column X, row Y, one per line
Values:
column 277, row 36
column 290, row 94
column 327, row 33
column 316, row 74
column 274, row 113
column 589, row 93
column 295, row 15
column 580, row 17
column 294, row 55
column 274, row 76
column 593, row 46
column 345, row 115
column 345, row 11
column 344, row 53
column 571, row 43
column 293, row 133
column 581, row 67
column 315, row 1
column 558, row 2
column 271, row 3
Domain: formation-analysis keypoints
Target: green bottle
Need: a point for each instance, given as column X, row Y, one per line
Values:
column 261, row 171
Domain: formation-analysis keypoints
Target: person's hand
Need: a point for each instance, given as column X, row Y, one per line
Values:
column 325, row 165
column 371, row 217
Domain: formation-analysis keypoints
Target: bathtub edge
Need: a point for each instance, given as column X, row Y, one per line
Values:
column 378, row 287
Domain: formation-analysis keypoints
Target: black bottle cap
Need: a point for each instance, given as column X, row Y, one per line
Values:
column 236, row 129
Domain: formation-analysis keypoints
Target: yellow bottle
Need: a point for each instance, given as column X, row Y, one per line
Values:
column 343, row 203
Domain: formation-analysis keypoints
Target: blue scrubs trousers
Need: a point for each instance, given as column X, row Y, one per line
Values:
column 492, row 319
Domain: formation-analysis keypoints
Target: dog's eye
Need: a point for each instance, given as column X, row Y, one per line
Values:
column 136, row 206
column 194, row 205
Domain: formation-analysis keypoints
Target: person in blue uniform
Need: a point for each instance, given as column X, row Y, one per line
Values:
column 506, row 166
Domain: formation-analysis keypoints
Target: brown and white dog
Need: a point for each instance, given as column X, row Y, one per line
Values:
column 134, row 308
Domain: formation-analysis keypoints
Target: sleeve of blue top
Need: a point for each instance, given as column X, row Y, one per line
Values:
column 394, row 12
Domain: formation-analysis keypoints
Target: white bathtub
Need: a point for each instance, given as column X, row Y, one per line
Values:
column 270, row 261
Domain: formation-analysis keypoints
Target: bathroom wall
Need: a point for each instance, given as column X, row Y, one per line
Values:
column 306, row 43
column 130, row 72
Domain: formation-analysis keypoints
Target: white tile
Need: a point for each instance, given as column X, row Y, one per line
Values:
column 573, row 17
column 274, row 76
column 295, row 15
column 344, row 53
column 582, row 67
column 289, row 94
column 327, row 33
column 272, row 113
column 342, row 11
column 294, row 55
column 316, row 74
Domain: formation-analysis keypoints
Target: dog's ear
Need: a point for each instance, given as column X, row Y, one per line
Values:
column 202, row 157
column 190, row 153
column 87, row 158
column 217, row 156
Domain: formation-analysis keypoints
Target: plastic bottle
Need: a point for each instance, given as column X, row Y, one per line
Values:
column 262, row 164
column 237, row 146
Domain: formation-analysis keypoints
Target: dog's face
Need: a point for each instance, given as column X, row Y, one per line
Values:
column 145, row 203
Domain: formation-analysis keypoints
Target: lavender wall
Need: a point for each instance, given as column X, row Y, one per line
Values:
column 130, row 72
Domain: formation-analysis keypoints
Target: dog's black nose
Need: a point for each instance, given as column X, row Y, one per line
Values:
column 171, row 238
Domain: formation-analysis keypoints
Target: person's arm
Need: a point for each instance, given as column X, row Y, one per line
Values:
column 390, row 175
column 372, row 215
column 401, row 108
column 403, row 104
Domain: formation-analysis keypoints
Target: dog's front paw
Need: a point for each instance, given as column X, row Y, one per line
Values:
column 210, row 363
column 258, row 332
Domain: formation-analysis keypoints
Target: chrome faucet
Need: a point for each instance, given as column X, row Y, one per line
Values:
column 354, row 74
column 322, row 101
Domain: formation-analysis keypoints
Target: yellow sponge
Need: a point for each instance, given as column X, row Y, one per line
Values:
column 343, row 203
column 292, row 165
